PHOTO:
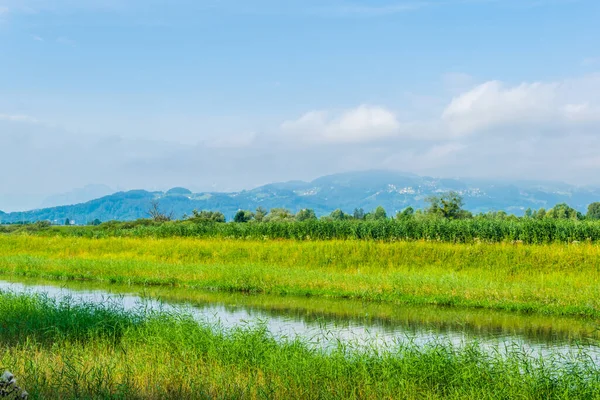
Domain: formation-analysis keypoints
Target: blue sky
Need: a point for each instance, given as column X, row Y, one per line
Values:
column 225, row 95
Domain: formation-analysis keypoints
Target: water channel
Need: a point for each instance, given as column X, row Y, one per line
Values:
column 325, row 322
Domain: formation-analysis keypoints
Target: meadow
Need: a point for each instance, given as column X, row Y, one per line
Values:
column 101, row 351
column 553, row 279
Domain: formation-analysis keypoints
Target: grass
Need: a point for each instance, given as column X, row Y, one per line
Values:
column 554, row 279
column 491, row 230
column 105, row 352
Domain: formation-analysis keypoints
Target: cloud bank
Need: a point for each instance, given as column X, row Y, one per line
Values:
column 528, row 130
column 362, row 124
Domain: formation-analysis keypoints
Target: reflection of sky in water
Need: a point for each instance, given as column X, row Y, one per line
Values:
column 318, row 332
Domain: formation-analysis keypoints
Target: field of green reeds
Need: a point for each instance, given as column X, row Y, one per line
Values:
column 553, row 279
column 526, row 230
column 67, row 350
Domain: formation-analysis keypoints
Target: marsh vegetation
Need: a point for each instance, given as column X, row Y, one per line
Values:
column 60, row 347
column 103, row 351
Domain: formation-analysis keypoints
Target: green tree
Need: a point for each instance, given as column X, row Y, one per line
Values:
column 405, row 214
column 207, row 216
column 67, row 222
column 464, row 214
column 260, row 214
column 448, row 205
column 306, row 215
column 541, row 213
column 593, row 211
column 562, row 211
column 359, row 214
column 497, row 214
column 378, row 215
column 338, row 215
column 243, row 216
column 279, row 214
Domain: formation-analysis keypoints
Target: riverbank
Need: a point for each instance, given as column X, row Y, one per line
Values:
column 101, row 351
column 556, row 279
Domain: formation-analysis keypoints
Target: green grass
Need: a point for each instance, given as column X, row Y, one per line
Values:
column 527, row 230
column 104, row 352
column 556, row 279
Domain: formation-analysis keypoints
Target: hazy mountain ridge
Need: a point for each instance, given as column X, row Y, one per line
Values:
column 369, row 189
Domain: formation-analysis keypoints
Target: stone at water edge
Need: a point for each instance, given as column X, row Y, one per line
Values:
column 7, row 378
column 9, row 388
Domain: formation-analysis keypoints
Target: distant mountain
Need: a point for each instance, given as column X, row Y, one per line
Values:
column 392, row 190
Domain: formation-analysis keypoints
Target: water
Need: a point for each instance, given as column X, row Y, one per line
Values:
column 326, row 323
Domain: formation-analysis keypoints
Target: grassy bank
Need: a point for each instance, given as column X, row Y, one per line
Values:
column 89, row 351
column 553, row 279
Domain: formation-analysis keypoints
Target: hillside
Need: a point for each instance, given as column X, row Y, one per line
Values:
column 392, row 190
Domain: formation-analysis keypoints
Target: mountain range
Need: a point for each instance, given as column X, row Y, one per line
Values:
column 347, row 191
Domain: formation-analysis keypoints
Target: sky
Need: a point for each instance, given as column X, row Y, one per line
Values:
column 224, row 95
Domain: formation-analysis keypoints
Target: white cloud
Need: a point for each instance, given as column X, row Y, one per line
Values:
column 561, row 107
column 491, row 104
column 494, row 105
column 493, row 129
column 362, row 124
column 444, row 150
column 583, row 112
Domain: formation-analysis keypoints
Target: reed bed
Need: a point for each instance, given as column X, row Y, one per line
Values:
column 554, row 279
column 493, row 230
column 104, row 352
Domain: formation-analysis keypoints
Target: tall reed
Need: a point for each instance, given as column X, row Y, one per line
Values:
column 171, row 356
column 553, row 279
column 526, row 230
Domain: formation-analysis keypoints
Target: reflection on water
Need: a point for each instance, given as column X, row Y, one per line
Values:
column 325, row 322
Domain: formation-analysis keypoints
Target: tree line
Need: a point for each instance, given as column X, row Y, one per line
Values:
column 448, row 205
column 444, row 219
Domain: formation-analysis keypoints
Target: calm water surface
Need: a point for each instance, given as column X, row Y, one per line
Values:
column 325, row 323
